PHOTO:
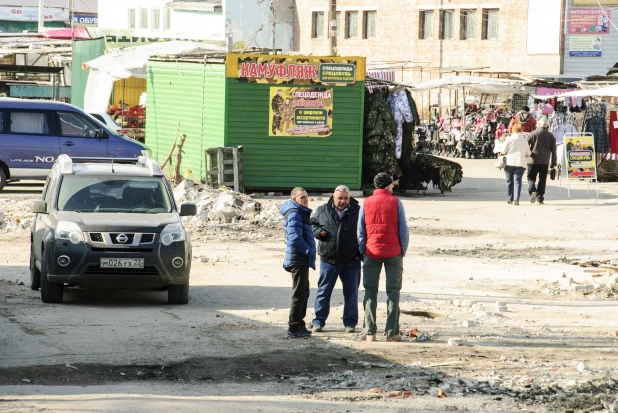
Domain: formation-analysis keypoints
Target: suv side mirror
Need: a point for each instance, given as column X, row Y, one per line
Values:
column 187, row 210
column 38, row 207
column 101, row 134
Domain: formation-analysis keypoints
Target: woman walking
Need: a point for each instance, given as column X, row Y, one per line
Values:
column 517, row 152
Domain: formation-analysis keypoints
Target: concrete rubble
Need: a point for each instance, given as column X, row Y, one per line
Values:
column 15, row 215
column 225, row 206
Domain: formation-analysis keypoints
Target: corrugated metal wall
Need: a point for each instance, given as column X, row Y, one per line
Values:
column 286, row 162
column 83, row 51
column 128, row 90
column 192, row 94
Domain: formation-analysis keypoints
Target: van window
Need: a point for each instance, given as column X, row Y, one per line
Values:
column 29, row 122
column 98, row 117
column 75, row 124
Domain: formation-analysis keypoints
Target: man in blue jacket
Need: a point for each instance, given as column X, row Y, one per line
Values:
column 299, row 256
column 334, row 225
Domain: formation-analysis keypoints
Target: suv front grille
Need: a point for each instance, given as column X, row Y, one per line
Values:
column 111, row 238
column 129, row 241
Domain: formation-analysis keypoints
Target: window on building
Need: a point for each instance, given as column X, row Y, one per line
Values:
column 467, row 24
column 446, row 24
column 426, row 24
column 167, row 25
column 132, row 19
column 317, row 24
column 490, row 24
column 143, row 18
column 351, row 24
column 156, row 19
column 339, row 25
column 369, row 25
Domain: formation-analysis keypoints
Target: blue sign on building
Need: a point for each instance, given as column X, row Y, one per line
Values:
column 91, row 19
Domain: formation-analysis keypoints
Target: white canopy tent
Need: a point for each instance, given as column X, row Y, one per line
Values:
column 476, row 84
column 128, row 62
column 608, row 91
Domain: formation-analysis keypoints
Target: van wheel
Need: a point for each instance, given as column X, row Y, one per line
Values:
column 2, row 179
column 50, row 292
column 178, row 294
column 35, row 274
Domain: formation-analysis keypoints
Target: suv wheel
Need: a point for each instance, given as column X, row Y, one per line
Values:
column 178, row 294
column 2, row 179
column 50, row 292
column 35, row 274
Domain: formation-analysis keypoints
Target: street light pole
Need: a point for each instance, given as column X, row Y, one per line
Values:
column 41, row 14
column 72, row 20
column 332, row 18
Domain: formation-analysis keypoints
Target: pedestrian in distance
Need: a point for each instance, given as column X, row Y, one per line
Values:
column 543, row 146
column 299, row 257
column 383, row 241
column 517, row 152
column 523, row 118
column 334, row 225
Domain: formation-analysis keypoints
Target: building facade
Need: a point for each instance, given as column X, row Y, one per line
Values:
column 425, row 39
column 238, row 22
column 23, row 15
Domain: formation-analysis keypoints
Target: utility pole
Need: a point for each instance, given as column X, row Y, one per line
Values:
column 41, row 20
column 273, row 26
column 72, row 20
column 332, row 18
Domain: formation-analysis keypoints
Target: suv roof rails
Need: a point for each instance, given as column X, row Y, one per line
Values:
column 66, row 163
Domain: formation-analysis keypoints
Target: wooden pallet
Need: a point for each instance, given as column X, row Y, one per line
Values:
column 219, row 173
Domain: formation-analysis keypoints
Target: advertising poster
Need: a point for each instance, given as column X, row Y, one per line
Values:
column 580, row 158
column 585, row 46
column 589, row 21
column 300, row 111
column 294, row 70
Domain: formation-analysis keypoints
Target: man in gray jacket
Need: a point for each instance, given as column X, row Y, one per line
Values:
column 543, row 146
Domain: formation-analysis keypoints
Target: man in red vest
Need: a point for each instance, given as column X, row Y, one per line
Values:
column 383, row 240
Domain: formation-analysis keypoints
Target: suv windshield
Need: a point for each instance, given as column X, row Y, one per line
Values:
column 111, row 194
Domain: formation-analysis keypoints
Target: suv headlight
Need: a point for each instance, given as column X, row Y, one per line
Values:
column 172, row 233
column 69, row 231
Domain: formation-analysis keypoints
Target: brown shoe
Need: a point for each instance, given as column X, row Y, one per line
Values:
column 371, row 337
column 395, row 338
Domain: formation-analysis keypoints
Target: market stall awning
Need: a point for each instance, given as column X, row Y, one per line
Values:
column 476, row 84
column 609, row 91
column 128, row 62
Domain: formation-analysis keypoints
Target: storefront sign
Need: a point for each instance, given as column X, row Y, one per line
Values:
column 588, row 21
column 31, row 14
column 295, row 111
column 580, row 159
column 86, row 20
column 594, row 2
column 296, row 70
column 585, row 46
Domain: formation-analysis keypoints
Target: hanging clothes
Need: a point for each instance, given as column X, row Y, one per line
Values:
column 594, row 122
column 399, row 106
column 613, row 132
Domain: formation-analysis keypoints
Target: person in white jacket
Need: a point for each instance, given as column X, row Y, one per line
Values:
column 517, row 153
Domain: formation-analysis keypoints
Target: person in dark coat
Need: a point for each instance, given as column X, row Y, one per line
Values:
column 334, row 226
column 543, row 146
column 299, row 257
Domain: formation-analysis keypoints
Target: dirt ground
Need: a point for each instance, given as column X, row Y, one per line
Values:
column 551, row 350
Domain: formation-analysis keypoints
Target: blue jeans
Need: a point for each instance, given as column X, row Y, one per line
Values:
column 350, row 280
column 513, row 181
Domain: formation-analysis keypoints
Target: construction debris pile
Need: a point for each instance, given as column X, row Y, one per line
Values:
column 219, row 206
column 15, row 216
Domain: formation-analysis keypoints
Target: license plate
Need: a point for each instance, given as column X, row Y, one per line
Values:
column 122, row 263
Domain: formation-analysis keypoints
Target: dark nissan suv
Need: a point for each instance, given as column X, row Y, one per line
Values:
column 109, row 223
